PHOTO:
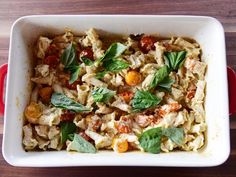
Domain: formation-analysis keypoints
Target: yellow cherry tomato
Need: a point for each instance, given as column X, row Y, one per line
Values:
column 120, row 146
column 46, row 93
column 32, row 112
column 133, row 78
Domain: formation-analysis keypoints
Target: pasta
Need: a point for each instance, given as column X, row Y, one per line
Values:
column 139, row 92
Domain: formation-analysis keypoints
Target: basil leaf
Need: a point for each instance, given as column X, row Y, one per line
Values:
column 175, row 134
column 86, row 61
column 159, row 76
column 61, row 101
column 66, row 129
column 79, row 144
column 102, row 94
column 69, row 56
column 114, row 51
column 143, row 100
column 174, row 60
column 71, row 136
column 69, row 60
column 74, row 74
column 112, row 65
column 115, row 65
column 101, row 74
column 166, row 83
column 150, row 140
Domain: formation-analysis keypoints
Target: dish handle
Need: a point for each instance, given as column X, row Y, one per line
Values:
column 232, row 90
column 3, row 73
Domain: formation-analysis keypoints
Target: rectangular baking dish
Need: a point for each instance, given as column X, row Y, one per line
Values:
column 206, row 30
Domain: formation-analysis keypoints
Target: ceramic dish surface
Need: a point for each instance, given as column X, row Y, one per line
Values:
column 207, row 31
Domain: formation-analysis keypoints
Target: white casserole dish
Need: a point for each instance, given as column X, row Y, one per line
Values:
column 206, row 30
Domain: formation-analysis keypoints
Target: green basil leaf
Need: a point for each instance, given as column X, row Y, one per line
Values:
column 102, row 94
column 115, row 65
column 159, row 76
column 174, row 60
column 61, row 101
column 86, row 61
column 166, row 83
column 101, row 74
column 79, row 144
column 69, row 56
column 69, row 60
column 66, row 129
column 150, row 140
column 114, row 51
column 74, row 74
column 143, row 100
column 175, row 134
column 71, row 136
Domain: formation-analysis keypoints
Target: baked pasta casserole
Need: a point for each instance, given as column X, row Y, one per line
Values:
column 138, row 92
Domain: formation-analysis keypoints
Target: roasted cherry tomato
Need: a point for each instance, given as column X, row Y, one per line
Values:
column 96, row 124
column 67, row 116
column 52, row 50
column 147, row 43
column 52, row 61
column 32, row 112
column 127, row 96
column 122, row 128
column 85, row 136
column 133, row 78
column 167, row 46
column 121, row 146
column 46, row 93
column 124, row 125
column 87, row 52
column 72, row 86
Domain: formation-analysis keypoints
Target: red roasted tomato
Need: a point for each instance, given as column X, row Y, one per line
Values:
column 146, row 43
column 72, row 86
column 67, row 116
column 87, row 52
column 52, row 61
